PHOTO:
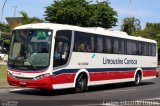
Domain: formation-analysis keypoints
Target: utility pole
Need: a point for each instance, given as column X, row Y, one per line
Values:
column 1, row 2
column 0, row 16
column 130, row 8
column 15, row 7
column 3, row 10
column 1, row 21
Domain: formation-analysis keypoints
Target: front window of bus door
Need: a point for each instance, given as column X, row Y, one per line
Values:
column 62, row 47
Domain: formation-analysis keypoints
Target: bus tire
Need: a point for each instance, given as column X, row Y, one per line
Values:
column 137, row 79
column 81, row 83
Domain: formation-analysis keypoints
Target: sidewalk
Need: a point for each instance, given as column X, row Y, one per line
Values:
column 3, row 79
column 2, row 63
column 7, row 87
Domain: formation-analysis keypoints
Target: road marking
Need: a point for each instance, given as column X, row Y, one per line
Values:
column 127, row 90
column 145, row 102
column 96, row 105
column 89, row 105
column 19, row 89
column 150, row 103
column 153, row 99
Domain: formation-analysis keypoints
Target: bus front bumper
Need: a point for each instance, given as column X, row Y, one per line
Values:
column 44, row 83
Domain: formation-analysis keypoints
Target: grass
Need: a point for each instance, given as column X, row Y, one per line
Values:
column 3, row 76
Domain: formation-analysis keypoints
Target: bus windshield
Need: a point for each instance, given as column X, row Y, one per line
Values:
column 30, row 49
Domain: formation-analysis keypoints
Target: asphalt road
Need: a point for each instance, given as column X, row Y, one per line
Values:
column 146, row 94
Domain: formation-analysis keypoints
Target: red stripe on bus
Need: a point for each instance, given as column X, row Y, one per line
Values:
column 147, row 73
column 111, row 75
column 63, row 78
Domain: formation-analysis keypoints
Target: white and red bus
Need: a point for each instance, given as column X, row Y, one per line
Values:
column 54, row 56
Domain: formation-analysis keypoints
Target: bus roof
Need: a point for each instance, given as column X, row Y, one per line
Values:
column 94, row 30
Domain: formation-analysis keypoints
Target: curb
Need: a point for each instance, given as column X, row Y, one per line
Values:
column 3, row 64
column 6, row 86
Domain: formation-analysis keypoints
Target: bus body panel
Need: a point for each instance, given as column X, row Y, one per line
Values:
column 104, row 73
column 44, row 83
column 100, row 68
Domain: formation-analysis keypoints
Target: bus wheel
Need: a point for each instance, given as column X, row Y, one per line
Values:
column 137, row 79
column 81, row 83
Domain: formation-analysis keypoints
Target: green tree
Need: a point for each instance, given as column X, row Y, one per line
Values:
column 27, row 20
column 102, row 15
column 131, row 25
column 4, row 27
column 151, row 31
column 5, row 35
column 81, row 13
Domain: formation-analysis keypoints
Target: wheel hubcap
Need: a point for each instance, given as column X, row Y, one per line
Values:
column 137, row 79
column 81, row 83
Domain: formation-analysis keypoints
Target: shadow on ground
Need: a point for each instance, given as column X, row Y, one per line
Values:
column 71, row 91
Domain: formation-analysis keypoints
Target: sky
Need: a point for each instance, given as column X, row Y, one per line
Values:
column 144, row 10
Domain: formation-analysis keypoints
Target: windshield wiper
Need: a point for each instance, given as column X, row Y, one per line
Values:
column 33, row 67
column 14, row 60
column 25, row 66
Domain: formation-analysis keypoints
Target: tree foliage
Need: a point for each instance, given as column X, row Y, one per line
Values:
column 5, row 35
column 81, row 13
column 4, row 27
column 27, row 20
column 6, row 41
column 131, row 25
column 151, row 31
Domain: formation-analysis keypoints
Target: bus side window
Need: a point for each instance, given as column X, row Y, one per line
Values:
column 122, row 47
column 82, row 47
column 107, row 45
column 131, row 47
column 140, row 48
column 83, row 42
column 144, row 48
column 62, row 47
column 116, row 46
column 150, row 49
column 147, row 49
column 99, row 44
column 153, row 49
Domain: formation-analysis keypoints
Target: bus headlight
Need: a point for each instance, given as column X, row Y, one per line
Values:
column 9, row 73
column 41, row 76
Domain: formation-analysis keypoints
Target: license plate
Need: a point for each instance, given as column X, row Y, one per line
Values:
column 23, row 84
column 18, row 74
